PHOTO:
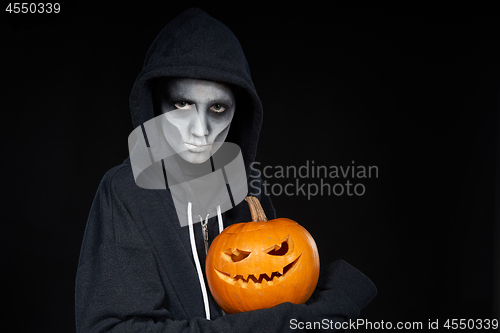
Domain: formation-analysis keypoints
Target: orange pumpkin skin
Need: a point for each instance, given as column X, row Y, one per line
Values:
column 240, row 256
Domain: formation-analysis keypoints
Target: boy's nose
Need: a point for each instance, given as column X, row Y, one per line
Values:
column 199, row 126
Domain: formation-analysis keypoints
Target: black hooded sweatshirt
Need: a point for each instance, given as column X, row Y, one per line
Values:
column 136, row 271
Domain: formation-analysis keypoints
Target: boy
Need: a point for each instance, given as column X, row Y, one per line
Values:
column 138, row 269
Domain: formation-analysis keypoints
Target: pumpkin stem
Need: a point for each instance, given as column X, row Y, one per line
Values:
column 256, row 209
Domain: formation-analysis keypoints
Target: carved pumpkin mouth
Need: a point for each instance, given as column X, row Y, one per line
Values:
column 258, row 280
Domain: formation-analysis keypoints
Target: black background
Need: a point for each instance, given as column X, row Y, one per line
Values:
column 411, row 88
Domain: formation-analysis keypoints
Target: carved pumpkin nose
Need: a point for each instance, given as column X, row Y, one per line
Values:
column 260, row 264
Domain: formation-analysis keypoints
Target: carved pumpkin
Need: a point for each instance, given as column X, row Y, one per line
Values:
column 260, row 264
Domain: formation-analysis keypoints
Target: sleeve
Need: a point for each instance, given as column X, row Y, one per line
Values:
column 119, row 289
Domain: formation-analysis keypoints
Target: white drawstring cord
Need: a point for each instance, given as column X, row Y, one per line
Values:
column 219, row 215
column 221, row 227
column 197, row 263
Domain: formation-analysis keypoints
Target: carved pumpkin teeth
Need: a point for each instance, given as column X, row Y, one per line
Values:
column 251, row 280
column 265, row 277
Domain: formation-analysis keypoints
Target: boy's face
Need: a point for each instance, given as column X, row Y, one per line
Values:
column 197, row 116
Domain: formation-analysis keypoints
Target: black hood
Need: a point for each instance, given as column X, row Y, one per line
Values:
column 195, row 45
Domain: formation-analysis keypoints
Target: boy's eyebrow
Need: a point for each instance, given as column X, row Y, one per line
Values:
column 221, row 99
column 179, row 96
column 174, row 95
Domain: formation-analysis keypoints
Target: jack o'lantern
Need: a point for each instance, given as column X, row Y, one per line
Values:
column 260, row 264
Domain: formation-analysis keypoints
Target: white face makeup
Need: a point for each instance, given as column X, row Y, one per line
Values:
column 197, row 115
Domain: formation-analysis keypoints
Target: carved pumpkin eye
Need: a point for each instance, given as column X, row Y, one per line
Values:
column 279, row 250
column 236, row 255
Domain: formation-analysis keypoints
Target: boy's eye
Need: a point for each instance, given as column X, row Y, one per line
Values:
column 182, row 105
column 218, row 108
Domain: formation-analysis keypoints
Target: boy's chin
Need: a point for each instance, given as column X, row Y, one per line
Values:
column 195, row 158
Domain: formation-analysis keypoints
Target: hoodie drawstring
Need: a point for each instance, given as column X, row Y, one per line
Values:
column 219, row 215
column 195, row 253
